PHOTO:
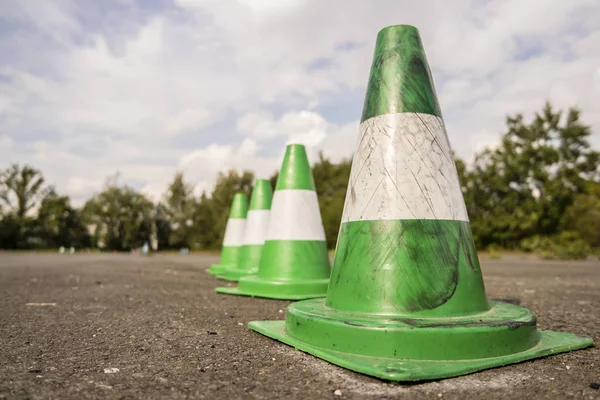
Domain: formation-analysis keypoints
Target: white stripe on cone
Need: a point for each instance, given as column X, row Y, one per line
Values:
column 295, row 215
column 234, row 232
column 257, row 224
column 403, row 169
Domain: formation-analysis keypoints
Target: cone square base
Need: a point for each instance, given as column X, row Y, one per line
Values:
column 216, row 269
column 402, row 349
column 234, row 275
column 229, row 260
column 254, row 286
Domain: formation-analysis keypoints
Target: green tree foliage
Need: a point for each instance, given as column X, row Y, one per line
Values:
column 583, row 215
column 9, row 231
column 203, row 219
column 331, row 182
column 59, row 224
column 162, row 226
column 180, row 206
column 21, row 188
column 119, row 218
column 523, row 187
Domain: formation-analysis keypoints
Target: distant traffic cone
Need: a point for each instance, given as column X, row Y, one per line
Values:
column 295, row 261
column 234, row 235
column 254, row 236
column 406, row 301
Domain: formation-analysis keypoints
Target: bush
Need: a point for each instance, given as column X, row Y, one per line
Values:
column 583, row 216
column 494, row 252
column 536, row 244
column 568, row 245
column 571, row 246
column 548, row 255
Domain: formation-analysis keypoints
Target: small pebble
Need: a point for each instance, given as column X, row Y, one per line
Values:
column 102, row 386
column 111, row 370
column 568, row 367
column 337, row 392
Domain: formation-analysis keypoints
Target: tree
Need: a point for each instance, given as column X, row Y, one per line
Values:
column 59, row 224
column 179, row 206
column 204, row 223
column 523, row 187
column 162, row 225
column 583, row 216
column 9, row 231
column 331, row 182
column 119, row 217
column 21, row 187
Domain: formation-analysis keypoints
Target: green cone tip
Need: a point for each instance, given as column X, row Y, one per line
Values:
column 400, row 80
column 262, row 194
column 295, row 171
column 239, row 206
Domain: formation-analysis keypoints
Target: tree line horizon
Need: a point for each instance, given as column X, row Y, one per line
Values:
column 537, row 191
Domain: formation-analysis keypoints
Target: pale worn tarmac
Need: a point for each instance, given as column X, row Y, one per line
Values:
column 159, row 322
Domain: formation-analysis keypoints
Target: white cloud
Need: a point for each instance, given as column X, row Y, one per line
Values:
column 81, row 99
column 5, row 142
column 201, row 166
column 190, row 119
column 307, row 127
column 259, row 125
column 304, row 127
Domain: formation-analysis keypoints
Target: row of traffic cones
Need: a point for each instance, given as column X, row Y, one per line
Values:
column 281, row 251
column 405, row 300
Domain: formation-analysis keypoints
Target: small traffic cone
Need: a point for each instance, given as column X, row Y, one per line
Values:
column 295, row 261
column 257, row 223
column 234, row 235
column 406, row 301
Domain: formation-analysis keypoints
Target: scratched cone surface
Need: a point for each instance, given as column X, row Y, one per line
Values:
column 406, row 300
column 295, row 262
column 234, row 235
column 257, row 223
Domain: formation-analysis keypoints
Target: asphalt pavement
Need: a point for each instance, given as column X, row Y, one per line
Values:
column 122, row 326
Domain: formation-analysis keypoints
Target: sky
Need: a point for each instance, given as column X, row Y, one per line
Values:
column 147, row 88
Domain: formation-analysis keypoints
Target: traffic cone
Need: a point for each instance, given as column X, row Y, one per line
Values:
column 254, row 236
column 295, row 261
column 234, row 235
column 406, row 301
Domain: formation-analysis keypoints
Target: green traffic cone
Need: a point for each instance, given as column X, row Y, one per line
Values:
column 234, row 235
column 254, row 236
column 295, row 261
column 406, row 301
